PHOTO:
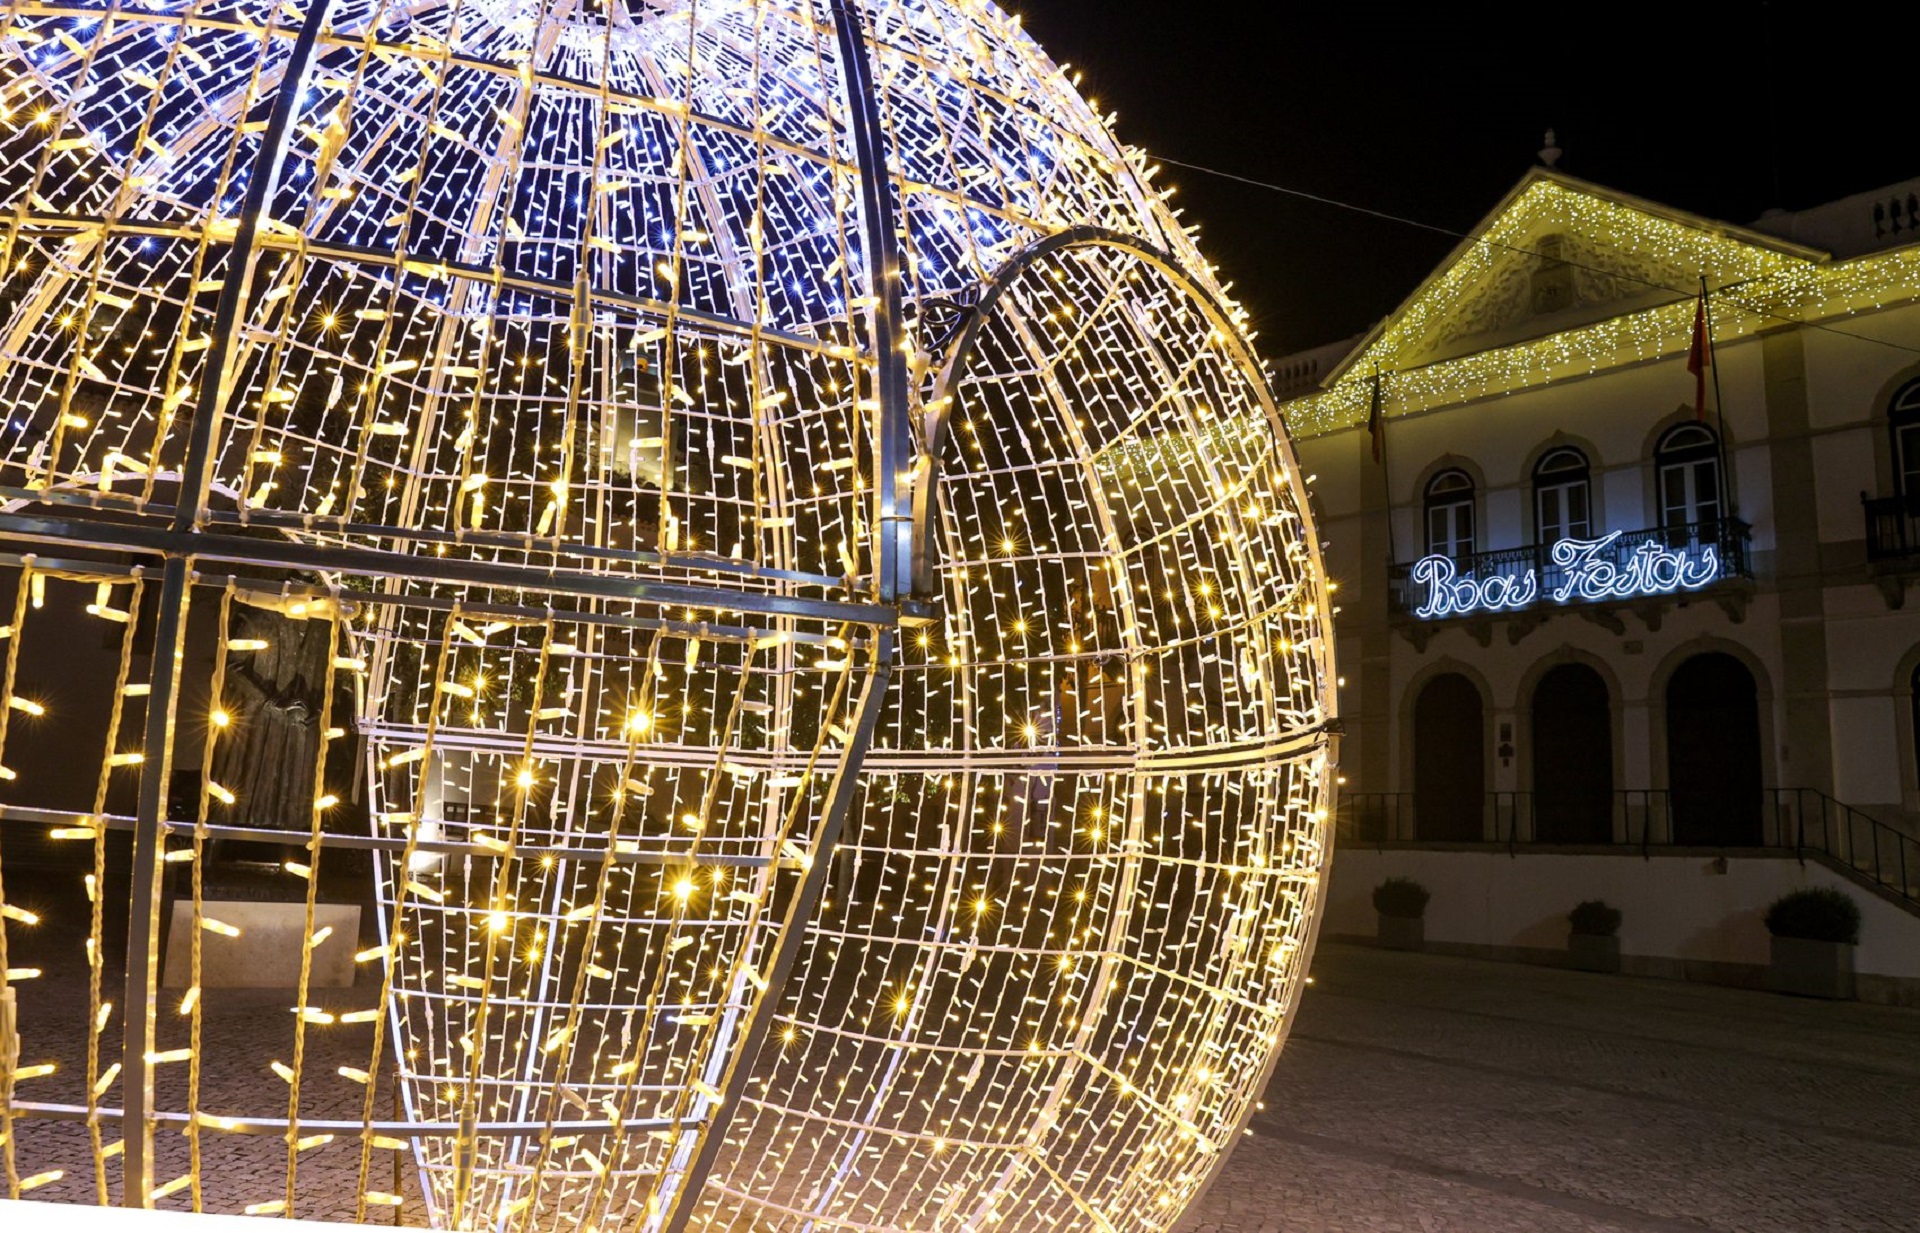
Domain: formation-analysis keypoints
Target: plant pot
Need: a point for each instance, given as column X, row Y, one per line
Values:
column 1810, row 969
column 1592, row 952
column 1403, row 932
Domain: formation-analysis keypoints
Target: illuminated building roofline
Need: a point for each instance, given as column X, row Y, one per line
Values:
column 1540, row 198
column 1759, row 282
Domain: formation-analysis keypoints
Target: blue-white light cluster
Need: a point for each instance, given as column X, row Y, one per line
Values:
column 534, row 349
column 1582, row 571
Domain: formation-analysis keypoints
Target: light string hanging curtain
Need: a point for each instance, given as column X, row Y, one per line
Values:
column 745, row 538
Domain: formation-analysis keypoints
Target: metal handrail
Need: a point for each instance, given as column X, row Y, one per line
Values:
column 1642, row 816
column 1853, row 841
column 1804, row 821
column 1893, row 527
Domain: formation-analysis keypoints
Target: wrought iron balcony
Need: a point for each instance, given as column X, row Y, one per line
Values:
column 1893, row 527
column 1618, row 567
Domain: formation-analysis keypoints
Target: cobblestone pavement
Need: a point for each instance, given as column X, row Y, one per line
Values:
column 1417, row 1093
column 1423, row 1093
column 245, row 1030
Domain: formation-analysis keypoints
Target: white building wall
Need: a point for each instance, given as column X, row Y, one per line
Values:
column 1831, row 640
column 1686, row 907
column 1838, row 453
column 1615, row 417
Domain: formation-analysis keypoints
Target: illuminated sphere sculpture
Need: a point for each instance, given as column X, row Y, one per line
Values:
column 800, row 537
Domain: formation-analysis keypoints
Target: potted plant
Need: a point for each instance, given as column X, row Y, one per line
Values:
column 1814, row 933
column 1593, row 937
column 1402, row 905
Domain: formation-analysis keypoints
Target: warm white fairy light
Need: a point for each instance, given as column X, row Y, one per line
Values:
column 1755, row 287
column 548, row 291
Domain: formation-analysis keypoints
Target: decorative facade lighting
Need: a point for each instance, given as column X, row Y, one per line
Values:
column 1580, row 571
column 757, row 517
column 1758, row 283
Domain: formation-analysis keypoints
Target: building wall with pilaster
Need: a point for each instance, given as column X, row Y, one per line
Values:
column 1832, row 641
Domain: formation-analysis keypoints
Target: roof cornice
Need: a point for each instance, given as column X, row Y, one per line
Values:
column 1537, row 189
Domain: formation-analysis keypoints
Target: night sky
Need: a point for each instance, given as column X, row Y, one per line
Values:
column 1724, row 109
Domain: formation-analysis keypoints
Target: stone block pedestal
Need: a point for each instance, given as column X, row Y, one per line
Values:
column 1403, row 932
column 1811, row 969
column 266, row 954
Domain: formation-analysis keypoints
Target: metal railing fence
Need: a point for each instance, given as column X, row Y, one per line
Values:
column 1805, row 821
column 1893, row 527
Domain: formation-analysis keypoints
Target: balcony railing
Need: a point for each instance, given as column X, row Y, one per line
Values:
column 1893, row 527
column 1805, row 821
column 1628, row 818
column 1616, row 567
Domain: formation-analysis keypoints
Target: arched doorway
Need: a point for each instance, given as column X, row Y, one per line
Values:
column 1572, row 757
column 1449, row 759
column 1713, row 752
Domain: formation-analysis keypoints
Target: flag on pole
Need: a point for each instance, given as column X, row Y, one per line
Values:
column 1376, row 427
column 1700, row 354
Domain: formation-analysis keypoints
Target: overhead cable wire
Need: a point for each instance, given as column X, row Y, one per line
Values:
column 1454, row 233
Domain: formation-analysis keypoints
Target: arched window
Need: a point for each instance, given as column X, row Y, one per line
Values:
column 1687, row 470
column 1450, row 514
column 1903, row 421
column 1562, row 496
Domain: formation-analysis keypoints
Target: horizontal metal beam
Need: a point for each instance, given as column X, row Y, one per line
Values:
column 278, row 1125
column 706, row 630
column 379, row 843
column 517, row 543
column 289, row 554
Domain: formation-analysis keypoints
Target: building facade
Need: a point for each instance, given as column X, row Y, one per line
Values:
column 1593, row 594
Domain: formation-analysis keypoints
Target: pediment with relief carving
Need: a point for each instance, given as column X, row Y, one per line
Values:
column 1566, row 278
column 1556, row 255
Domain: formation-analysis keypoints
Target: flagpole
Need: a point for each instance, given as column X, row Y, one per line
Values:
column 1719, row 408
column 1377, row 430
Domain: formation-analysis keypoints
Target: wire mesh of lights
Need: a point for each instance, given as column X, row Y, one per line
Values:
column 526, row 368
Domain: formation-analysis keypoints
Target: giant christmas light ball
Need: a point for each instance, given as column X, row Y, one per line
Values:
column 833, row 624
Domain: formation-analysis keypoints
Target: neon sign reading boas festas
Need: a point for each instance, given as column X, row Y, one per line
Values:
column 1585, row 570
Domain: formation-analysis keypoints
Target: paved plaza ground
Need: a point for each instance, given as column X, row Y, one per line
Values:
column 1417, row 1093
column 1423, row 1093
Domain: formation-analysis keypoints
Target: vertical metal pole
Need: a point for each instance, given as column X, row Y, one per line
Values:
column 149, row 839
column 398, row 1180
column 1725, row 494
column 893, row 523
column 265, row 178
column 144, row 898
column 800, row 909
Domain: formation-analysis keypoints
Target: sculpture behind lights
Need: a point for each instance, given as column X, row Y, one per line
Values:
column 759, row 520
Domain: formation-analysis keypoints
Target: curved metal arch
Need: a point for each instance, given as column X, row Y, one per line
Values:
column 938, row 416
column 937, row 422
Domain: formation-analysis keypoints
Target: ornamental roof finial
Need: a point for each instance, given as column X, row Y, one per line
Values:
column 1550, row 153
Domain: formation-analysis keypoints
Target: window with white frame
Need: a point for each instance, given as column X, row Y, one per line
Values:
column 1687, row 467
column 1903, row 420
column 1562, row 496
column 1449, row 509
